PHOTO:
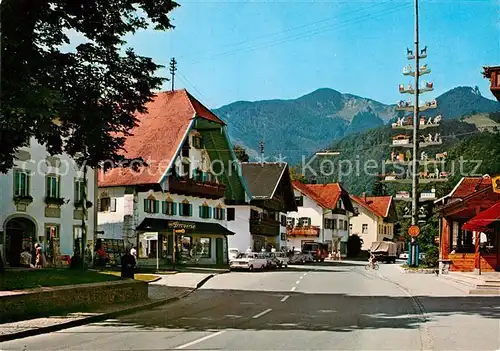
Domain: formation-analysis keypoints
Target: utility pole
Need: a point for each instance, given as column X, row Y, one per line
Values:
column 173, row 68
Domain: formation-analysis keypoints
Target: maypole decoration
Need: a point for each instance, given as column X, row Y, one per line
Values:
column 406, row 148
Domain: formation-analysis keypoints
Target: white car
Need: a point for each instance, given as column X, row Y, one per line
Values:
column 403, row 255
column 250, row 261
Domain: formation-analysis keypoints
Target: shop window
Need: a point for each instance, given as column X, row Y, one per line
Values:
column 205, row 245
column 21, row 183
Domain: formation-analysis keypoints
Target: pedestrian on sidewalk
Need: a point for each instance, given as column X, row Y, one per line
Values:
column 127, row 265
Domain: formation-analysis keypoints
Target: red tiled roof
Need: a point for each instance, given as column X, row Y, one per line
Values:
column 157, row 136
column 379, row 205
column 469, row 185
column 326, row 195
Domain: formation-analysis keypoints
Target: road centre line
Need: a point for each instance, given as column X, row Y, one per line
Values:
column 262, row 313
column 285, row 298
column 297, row 282
column 197, row 341
column 293, row 289
column 301, row 277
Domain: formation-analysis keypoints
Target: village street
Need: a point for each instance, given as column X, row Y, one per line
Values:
column 336, row 306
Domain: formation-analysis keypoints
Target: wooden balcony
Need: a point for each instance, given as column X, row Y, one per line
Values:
column 197, row 188
column 268, row 227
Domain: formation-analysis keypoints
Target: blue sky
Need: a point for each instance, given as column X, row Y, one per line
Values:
column 254, row 50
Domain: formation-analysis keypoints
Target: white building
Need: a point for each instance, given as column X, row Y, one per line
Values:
column 375, row 219
column 262, row 222
column 323, row 215
column 41, row 202
column 190, row 178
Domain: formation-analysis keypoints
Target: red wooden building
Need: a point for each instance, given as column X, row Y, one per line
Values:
column 469, row 237
column 493, row 74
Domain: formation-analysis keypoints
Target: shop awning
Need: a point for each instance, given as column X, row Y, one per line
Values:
column 195, row 228
column 483, row 220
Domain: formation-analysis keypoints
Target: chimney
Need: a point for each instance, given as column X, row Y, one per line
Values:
column 363, row 196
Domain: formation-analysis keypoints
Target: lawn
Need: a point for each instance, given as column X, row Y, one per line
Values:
column 29, row 279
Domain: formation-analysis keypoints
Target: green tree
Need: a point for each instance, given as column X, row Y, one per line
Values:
column 295, row 174
column 379, row 189
column 354, row 244
column 241, row 153
column 81, row 102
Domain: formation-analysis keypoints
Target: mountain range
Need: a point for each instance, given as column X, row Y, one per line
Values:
column 296, row 128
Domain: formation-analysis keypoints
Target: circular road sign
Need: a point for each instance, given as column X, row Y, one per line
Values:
column 413, row 230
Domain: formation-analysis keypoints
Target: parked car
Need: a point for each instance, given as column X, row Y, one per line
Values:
column 272, row 261
column 319, row 251
column 250, row 261
column 404, row 255
column 301, row 258
column 282, row 259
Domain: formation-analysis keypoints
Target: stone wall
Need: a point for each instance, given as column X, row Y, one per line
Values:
column 19, row 305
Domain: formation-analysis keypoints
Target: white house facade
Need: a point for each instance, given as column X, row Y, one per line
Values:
column 42, row 203
column 261, row 224
column 323, row 214
column 375, row 219
column 175, row 207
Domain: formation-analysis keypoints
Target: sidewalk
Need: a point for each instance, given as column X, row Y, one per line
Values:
column 168, row 289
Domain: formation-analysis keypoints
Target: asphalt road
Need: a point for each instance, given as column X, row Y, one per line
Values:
column 337, row 306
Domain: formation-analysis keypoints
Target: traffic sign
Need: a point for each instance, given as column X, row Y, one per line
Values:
column 414, row 231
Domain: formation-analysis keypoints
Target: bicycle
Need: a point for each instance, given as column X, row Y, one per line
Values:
column 373, row 265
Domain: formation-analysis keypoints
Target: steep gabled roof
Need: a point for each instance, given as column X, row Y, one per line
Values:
column 379, row 205
column 158, row 137
column 262, row 179
column 465, row 187
column 325, row 195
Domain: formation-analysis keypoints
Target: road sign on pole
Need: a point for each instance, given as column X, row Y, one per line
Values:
column 414, row 231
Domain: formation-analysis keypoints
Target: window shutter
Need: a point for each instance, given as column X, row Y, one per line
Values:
column 146, row 205
column 157, row 206
column 200, row 208
column 223, row 217
column 28, row 184
column 16, row 182
column 190, row 210
column 113, row 205
column 47, row 186
column 174, row 208
column 308, row 221
column 209, row 212
column 54, row 187
column 180, row 209
column 164, row 207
